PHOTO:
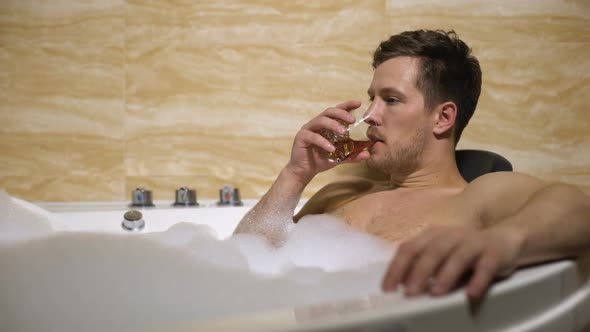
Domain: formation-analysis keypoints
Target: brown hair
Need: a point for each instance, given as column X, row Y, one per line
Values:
column 449, row 72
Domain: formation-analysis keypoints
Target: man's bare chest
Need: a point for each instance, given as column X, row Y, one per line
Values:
column 398, row 216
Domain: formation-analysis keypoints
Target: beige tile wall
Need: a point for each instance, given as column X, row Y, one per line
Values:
column 97, row 98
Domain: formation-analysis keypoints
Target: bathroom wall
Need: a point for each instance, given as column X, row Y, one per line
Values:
column 100, row 97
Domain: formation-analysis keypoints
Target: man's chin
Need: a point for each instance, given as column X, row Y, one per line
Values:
column 374, row 163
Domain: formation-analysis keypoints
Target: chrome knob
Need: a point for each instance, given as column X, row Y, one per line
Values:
column 133, row 221
column 186, row 197
column 229, row 195
column 141, row 197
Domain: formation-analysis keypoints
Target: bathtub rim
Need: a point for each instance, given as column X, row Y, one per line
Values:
column 333, row 317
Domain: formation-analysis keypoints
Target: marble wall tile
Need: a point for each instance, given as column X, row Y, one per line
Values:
column 62, row 68
column 533, row 108
column 241, row 109
column 98, row 98
column 496, row 21
column 525, row 8
column 261, row 22
column 501, row 29
column 62, row 99
column 65, row 188
column 205, row 119
column 207, row 155
column 214, row 92
column 219, row 89
column 60, row 154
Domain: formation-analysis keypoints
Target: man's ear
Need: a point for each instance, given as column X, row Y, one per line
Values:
column 446, row 114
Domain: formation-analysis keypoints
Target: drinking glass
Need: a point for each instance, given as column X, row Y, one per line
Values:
column 353, row 141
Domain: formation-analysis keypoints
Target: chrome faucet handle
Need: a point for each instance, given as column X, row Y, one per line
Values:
column 229, row 195
column 186, row 197
column 141, row 197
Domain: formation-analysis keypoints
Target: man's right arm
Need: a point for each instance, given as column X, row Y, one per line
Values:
column 274, row 212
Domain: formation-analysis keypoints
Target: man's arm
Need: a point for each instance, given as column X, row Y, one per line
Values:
column 274, row 212
column 272, row 215
column 554, row 223
column 524, row 222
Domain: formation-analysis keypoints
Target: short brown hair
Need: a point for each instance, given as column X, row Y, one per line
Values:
column 449, row 72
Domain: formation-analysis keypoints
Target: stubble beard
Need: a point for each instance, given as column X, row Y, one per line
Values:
column 400, row 159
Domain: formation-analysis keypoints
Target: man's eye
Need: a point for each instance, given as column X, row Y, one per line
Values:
column 391, row 100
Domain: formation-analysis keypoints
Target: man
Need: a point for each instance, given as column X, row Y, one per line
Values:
column 424, row 91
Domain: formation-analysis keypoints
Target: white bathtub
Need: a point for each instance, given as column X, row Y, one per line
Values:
column 549, row 297
column 107, row 217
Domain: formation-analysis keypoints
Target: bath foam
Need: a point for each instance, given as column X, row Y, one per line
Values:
column 60, row 281
column 320, row 241
column 19, row 223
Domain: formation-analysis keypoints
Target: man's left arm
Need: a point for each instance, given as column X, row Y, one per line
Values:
column 523, row 222
column 555, row 223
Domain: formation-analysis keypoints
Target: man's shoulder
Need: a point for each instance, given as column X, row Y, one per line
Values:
column 497, row 195
column 504, row 182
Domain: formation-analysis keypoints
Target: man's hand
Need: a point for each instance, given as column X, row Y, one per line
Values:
column 436, row 260
column 310, row 149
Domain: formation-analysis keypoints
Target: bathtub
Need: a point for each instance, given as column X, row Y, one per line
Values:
column 548, row 297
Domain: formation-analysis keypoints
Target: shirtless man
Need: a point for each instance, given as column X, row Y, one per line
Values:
column 424, row 91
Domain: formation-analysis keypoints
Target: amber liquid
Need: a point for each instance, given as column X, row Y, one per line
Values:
column 345, row 146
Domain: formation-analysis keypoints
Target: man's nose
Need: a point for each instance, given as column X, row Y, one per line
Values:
column 373, row 113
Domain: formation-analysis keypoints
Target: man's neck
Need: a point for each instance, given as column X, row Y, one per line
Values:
column 435, row 171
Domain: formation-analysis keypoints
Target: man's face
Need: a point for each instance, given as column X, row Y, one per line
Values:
column 401, row 125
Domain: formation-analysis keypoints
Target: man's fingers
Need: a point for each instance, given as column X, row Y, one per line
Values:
column 485, row 270
column 429, row 262
column 458, row 262
column 401, row 264
column 338, row 114
column 349, row 105
column 446, row 254
column 331, row 117
column 397, row 269
column 324, row 122
column 310, row 138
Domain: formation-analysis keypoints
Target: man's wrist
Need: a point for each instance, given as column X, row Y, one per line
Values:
column 295, row 179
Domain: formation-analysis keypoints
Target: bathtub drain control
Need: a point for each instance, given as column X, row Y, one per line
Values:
column 133, row 221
